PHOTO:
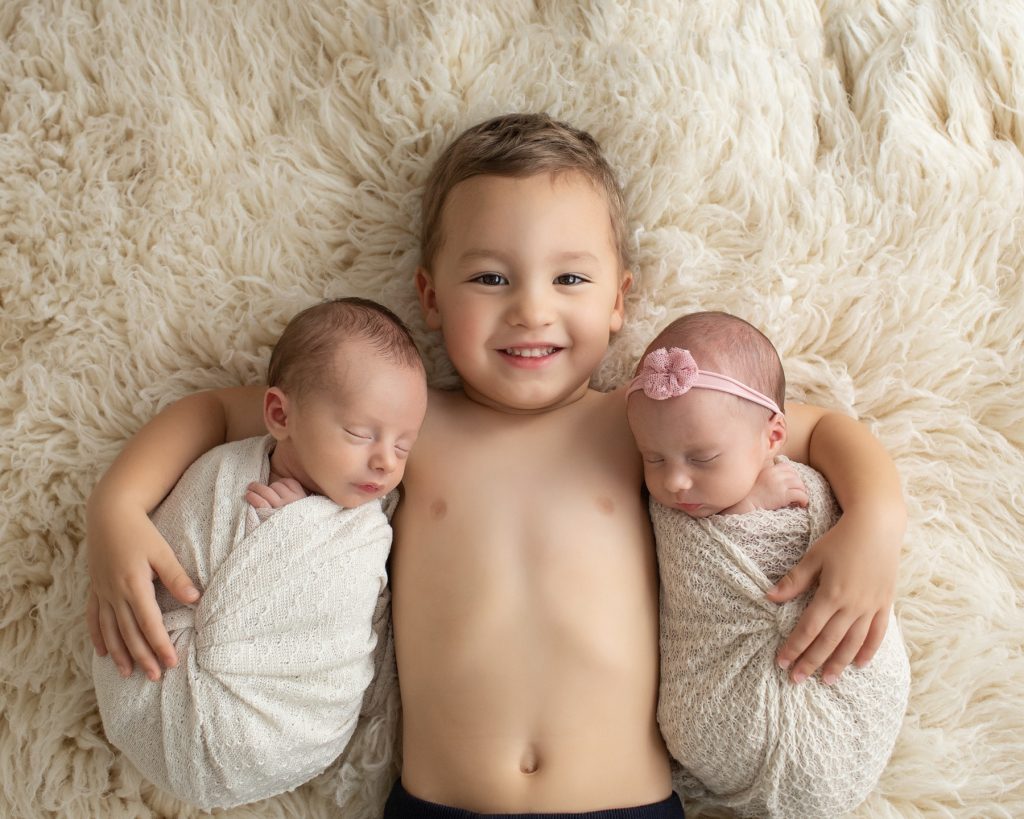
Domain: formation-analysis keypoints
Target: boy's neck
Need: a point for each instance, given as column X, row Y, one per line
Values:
column 474, row 397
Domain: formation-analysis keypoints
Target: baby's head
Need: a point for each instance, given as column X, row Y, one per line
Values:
column 346, row 397
column 704, row 438
column 523, row 266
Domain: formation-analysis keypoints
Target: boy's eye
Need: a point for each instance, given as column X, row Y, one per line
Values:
column 570, row 279
column 357, row 435
column 703, row 460
column 653, row 459
column 491, row 279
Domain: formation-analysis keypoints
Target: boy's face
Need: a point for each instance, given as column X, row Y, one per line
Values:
column 702, row 453
column 526, row 288
column 350, row 443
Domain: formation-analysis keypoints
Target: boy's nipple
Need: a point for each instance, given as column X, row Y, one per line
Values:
column 438, row 509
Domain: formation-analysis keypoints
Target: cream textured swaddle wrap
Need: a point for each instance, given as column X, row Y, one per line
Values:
column 750, row 739
column 274, row 659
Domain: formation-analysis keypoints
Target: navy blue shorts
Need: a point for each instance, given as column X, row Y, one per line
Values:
column 403, row 805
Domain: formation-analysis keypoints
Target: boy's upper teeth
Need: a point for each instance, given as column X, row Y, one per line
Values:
column 530, row 352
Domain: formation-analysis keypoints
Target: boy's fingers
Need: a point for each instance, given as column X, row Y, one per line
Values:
column 178, row 583
column 136, row 643
column 798, row 580
column 847, row 649
column 146, row 613
column 820, row 649
column 112, row 638
column 875, row 635
column 92, row 620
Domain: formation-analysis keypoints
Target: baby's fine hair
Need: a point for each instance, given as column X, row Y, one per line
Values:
column 302, row 358
column 519, row 145
column 726, row 344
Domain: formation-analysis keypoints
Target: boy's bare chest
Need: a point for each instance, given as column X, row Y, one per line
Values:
column 551, row 471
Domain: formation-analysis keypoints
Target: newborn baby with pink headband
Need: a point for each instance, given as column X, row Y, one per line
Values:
column 706, row 410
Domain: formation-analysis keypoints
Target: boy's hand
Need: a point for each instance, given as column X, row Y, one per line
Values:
column 777, row 487
column 125, row 554
column 277, row 494
column 856, row 566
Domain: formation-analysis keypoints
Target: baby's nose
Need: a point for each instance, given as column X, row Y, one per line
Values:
column 678, row 481
column 384, row 460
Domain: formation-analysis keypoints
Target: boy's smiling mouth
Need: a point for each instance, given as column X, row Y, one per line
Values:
column 530, row 357
column 530, row 352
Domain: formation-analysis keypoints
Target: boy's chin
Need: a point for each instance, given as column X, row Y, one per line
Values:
column 522, row 402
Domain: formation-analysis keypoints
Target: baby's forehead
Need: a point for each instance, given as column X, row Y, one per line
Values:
column 698, row 417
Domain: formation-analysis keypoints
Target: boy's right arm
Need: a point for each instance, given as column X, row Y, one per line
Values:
column 125, row 550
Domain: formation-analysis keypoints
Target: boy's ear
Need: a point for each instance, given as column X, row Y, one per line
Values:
column 428, row 298
column 776, row 433
column 275, row 413
column 619, row 310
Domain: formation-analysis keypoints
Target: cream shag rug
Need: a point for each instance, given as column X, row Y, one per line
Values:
column 178, row 178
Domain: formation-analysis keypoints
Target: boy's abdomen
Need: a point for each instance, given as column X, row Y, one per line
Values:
column 529, row 662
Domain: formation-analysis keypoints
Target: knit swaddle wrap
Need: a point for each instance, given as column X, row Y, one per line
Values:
column 747, row 737
column 274, row 659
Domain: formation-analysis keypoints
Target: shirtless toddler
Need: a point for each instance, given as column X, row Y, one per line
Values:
column 524, row 579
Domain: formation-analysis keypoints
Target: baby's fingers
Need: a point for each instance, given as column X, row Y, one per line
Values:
column 260, row 496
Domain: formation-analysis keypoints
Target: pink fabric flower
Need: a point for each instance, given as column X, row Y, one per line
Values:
column 667, row 373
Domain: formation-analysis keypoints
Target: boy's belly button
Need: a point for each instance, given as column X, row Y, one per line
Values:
column 529, row 763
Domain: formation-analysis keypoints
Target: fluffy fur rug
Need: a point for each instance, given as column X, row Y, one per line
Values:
column 178, row 178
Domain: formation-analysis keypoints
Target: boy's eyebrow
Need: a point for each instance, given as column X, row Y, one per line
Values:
column 575, row 256
column 565, row 256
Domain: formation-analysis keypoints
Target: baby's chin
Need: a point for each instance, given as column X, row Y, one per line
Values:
column 694, row 510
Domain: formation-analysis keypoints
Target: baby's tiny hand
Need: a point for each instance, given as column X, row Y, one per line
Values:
column 277, row 494
column 777, row 487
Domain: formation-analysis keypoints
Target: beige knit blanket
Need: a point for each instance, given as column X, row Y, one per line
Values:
column 275, row 657
column 749, row 738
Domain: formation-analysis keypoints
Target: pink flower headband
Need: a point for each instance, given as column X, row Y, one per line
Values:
column 670, row 371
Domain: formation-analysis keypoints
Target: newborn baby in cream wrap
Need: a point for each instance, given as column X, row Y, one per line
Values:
column 274, row 659
column 705, row 412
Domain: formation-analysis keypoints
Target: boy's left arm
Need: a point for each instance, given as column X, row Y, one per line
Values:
column 857, row 561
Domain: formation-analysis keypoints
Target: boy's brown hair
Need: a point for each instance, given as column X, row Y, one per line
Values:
column 724, row 343
column 519, row 145
column 302, row 358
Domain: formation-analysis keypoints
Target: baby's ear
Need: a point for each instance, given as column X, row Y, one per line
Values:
column 428, row 298
column 776, row 433
column 275, row 413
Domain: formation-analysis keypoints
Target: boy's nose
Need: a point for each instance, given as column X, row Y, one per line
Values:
column 530, row 309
